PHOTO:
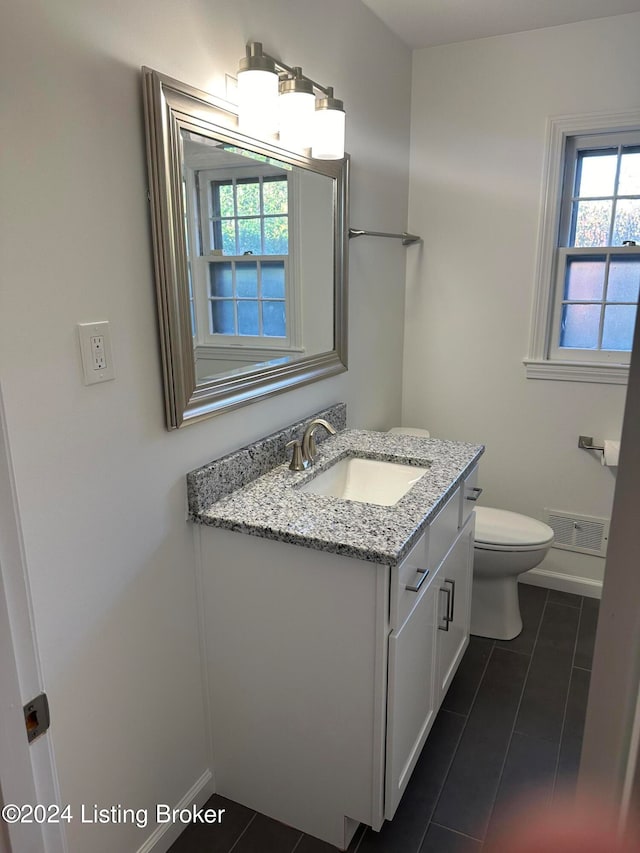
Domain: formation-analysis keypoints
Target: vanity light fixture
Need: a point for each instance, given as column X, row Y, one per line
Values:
column 257, row 93
column 297, row 104
column 304, row 120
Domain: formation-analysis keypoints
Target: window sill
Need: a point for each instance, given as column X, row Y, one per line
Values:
column 573, row 371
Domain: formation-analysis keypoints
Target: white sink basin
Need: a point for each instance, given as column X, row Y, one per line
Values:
column 369, row 481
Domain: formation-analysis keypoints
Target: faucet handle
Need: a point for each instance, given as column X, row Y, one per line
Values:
column 297, row 461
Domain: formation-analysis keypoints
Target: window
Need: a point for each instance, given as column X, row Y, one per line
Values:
column 598, row 265
column 589, row 268
column 245, row 245
column 241, row 220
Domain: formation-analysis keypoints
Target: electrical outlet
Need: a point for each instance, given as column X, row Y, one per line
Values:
column 95, row 349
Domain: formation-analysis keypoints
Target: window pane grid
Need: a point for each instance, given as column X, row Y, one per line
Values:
column 229, row 203
column 249, row 235
column 232, row 313
column 611, row 327
column 597, row 217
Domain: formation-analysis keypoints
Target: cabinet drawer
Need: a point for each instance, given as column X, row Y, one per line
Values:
column 442, row 531
column 409, row 582
column 470, row 494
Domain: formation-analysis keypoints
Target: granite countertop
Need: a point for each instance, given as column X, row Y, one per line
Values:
column 272, row 507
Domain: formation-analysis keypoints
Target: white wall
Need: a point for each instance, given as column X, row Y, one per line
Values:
column 477, row 145
column 100, row 482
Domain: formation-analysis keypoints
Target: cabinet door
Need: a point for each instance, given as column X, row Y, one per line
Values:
column 454, row 608
column 411, row 703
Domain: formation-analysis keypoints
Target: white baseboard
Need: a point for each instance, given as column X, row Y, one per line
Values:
column 165, row 834
column 563, row 583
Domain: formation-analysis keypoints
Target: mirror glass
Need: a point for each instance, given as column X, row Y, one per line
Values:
column 256, row 228
column 250, row 256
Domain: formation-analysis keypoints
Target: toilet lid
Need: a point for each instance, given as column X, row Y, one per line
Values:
column 509, row 529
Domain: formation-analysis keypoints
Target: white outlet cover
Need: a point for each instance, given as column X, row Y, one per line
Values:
column 86, row 331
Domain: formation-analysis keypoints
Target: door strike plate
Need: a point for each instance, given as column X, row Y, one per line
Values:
column 36, row 716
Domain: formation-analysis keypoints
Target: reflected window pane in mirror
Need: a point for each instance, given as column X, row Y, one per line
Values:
column 273, row 279
column 276, row 196
column 627, row 222
column 246, row 280
column 629, row 182
column 580, row 326
column 619, row 323
column 248, row 198
column 274, row 319
column 248, row 318
column 222, row 317
column 592, row 223
column 249, row 237
column 597, row 173
column 585, row 279
column 276, row 235
column 220, row 279
column 224, row 237
column 624, row 280
column 222, row 192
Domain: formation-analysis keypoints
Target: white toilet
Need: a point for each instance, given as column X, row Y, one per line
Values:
column 507, row 544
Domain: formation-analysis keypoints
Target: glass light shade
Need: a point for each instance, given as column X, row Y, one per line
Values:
column 328, row 134
column 296, row 117
column 258, row 102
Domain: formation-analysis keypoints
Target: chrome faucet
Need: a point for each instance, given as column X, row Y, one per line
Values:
column 309, row 449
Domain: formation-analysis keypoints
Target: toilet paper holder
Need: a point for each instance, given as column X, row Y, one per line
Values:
column 585, row 442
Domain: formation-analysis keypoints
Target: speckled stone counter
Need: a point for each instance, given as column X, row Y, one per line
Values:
column 272, row 506
column 225, row 475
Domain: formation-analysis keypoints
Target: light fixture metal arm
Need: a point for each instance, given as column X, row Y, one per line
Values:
column 290, row 69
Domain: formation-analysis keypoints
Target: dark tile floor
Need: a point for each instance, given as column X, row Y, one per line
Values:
column 512, row 720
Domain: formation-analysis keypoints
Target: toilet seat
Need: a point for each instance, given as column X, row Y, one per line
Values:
column 501, row 530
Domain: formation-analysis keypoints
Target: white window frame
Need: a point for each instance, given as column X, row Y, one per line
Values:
column 258, row 347
column 545, row 361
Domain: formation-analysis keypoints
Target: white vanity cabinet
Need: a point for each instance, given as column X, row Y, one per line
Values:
column 324, row 673
column 429, row 636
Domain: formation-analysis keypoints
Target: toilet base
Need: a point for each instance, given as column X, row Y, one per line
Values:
column 495, row 608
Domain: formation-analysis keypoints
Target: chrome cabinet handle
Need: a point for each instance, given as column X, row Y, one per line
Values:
column 415, row 587
column 474, row 497
column 446, row 618
column 452, row 598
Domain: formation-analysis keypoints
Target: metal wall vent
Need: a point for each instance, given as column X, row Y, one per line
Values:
column 582, row 533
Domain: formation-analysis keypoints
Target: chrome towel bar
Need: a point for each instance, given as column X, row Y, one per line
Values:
column 407, row 239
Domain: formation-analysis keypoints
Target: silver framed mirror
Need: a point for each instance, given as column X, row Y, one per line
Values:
column 250, row 256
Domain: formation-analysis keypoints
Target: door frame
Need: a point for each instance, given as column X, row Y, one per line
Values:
column 27, row 771
column 610, row 759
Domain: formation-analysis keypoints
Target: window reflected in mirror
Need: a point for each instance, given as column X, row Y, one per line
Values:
column 259, row 240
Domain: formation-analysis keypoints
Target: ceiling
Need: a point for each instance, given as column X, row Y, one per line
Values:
column 424, row 23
